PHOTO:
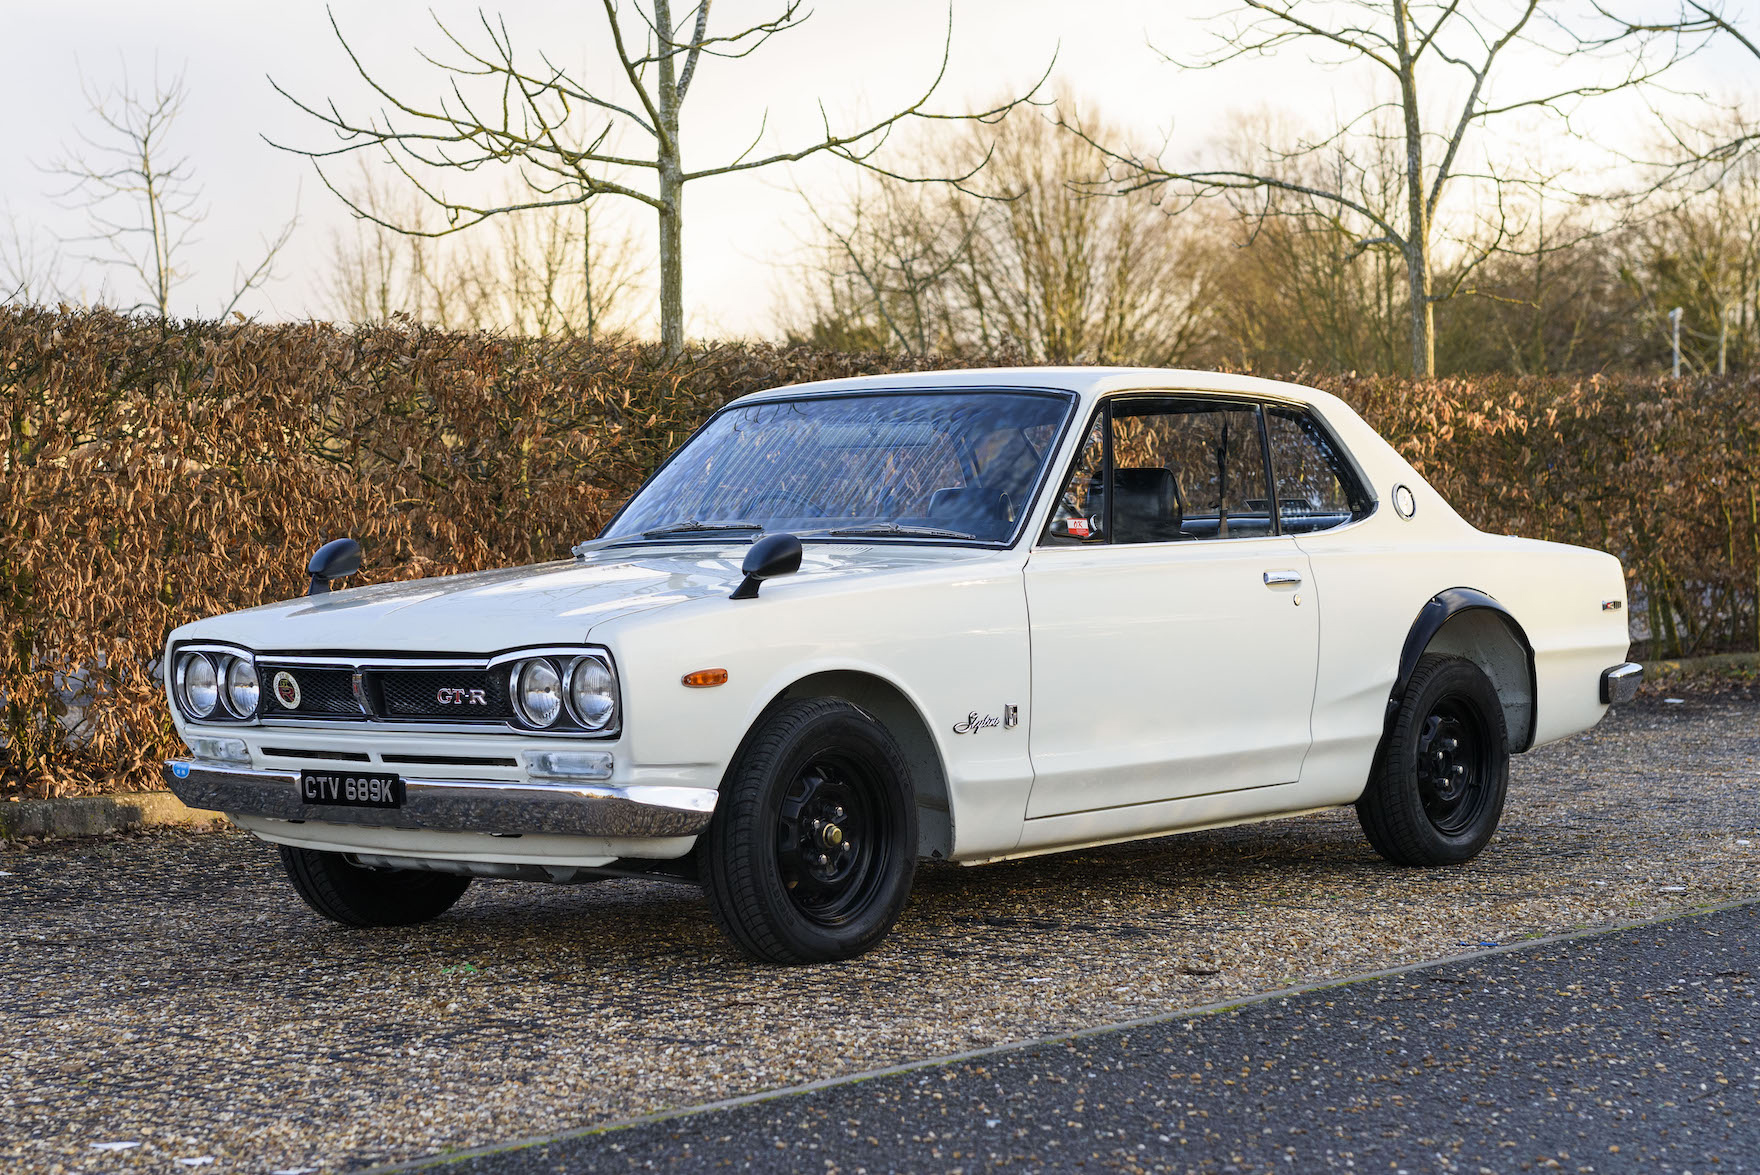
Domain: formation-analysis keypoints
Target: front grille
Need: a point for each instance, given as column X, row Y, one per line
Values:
column 436, row 690
column 324, row 692
column 472, row 695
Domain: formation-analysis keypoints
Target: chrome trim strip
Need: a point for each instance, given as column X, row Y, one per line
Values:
column 466, row 805
column 1620, row 684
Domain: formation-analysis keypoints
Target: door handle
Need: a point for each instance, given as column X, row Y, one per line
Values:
column 1276, row 578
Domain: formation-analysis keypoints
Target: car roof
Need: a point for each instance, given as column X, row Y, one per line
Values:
column 1086, row 382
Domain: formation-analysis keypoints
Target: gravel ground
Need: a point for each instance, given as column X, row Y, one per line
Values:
column 1624, row 1050
column 169, row 990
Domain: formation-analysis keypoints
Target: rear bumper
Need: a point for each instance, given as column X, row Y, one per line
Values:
column 455, row 805
column 1620, row 683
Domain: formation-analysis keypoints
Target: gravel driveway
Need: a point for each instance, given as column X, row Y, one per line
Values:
column 170, row 991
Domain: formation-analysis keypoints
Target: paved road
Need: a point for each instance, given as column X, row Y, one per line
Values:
column 1623, row 1051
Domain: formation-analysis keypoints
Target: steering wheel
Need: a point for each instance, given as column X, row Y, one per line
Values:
column 751, row 504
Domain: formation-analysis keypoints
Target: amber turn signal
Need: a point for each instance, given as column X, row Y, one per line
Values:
column 704, row 678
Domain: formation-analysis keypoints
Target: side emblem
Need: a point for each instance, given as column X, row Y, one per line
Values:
column 974, row 723
column 286, row 690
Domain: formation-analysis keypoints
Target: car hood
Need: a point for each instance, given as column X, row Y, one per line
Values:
column 562, row 602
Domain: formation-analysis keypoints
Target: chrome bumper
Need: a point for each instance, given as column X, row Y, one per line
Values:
column 1620, row 684
column 456, row 805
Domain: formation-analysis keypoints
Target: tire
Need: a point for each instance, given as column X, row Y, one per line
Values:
column 355, row 896
column 813, row 846
column 1437, row 789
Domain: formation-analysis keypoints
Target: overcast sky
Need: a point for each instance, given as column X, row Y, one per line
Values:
column 860, row 59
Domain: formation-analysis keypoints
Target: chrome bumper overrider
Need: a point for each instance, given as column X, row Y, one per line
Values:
column 457, row 805
column 1620, row 684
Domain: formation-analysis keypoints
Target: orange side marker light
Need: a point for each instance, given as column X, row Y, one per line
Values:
column 704, row 678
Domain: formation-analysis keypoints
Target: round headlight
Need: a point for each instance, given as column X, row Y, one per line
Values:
column 537, row 691
column 592, row 693
column 198, row 686
column 241, row 687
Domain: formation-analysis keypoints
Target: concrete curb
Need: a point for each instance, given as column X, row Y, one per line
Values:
column 96, row 815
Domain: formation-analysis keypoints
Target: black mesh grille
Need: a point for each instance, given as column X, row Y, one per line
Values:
column 474, row 695
column 322, row 691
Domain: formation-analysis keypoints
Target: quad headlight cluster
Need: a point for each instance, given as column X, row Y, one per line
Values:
column 216, row 686
column 582, row 689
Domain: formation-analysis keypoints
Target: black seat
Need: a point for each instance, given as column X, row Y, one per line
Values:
column 1148, row 509
column 975, row 506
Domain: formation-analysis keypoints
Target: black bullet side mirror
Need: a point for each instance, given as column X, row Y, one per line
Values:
column 770, row 556
column 334, row 560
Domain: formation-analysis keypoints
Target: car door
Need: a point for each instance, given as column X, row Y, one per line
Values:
column 1174, row 633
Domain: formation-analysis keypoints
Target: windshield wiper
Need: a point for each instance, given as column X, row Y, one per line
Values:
column 883, row 528
column 693, row 526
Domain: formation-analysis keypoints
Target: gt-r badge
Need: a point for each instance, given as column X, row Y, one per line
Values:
column 460, row 697
column 286, row 690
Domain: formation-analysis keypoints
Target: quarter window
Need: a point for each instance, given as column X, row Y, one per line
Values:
column 1315, row 488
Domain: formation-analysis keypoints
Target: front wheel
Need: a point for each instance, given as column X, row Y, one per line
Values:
column 813, row 847
column 357, row 896
column 1436, row 793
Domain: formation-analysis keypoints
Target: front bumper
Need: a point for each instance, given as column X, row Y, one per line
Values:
column 1620, row 684
column 457, row 805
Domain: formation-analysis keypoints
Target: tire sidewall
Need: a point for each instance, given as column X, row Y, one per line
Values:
column 847, row 731
column 1464, row 680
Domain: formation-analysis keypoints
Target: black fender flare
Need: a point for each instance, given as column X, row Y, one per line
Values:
column 1443, row 607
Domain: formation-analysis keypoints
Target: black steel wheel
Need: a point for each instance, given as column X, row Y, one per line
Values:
column 357, row 896
column 1437, row 790
column 812, row 851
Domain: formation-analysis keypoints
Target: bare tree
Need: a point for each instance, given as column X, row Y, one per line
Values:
column 1070, row 276
column 1702, row 255
column 30, row 267
column 1293, row 289
column 1425, row 52
column 535, row 272
column 559, row 133
column 1699, row 148
column 140, row 197
column 877, row 275
column 1044, row 267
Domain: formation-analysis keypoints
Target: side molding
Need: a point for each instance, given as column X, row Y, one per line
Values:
column 1443, row 607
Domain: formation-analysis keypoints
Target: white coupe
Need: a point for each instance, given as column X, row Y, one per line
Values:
column 967, row 615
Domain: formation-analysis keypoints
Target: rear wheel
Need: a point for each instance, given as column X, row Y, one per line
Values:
column 1436, row 793
column 813, row 847
column 356, row 896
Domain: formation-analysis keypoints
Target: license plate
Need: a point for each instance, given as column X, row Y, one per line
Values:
column 351, row 789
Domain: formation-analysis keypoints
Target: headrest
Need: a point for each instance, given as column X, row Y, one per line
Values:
column 1148, row 507
column 969, row 502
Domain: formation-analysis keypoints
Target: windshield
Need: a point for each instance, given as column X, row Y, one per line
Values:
column 946, row 465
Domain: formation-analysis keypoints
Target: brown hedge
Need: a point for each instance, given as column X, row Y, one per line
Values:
column 158, row 472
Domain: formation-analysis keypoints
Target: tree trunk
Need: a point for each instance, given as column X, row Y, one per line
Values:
column 1417, row 242
column 671, row 259
column 1423, row 310
column 671, row 190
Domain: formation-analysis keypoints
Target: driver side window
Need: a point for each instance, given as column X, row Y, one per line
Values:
column 1160, row 469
